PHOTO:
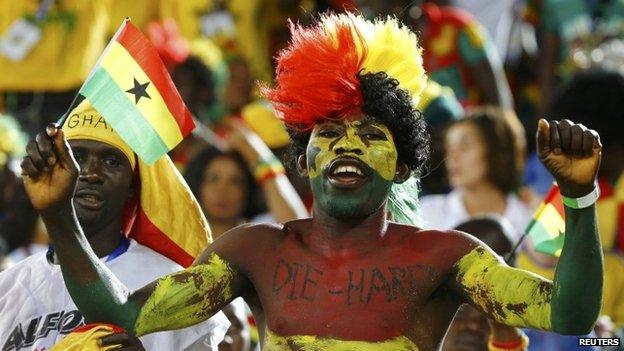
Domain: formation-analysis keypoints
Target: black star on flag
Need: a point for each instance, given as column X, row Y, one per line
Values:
column 139, row 91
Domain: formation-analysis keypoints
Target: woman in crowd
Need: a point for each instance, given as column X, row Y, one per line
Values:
column 225, row 182
column 484, row 153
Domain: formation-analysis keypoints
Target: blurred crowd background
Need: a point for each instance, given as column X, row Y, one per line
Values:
column 495, row 67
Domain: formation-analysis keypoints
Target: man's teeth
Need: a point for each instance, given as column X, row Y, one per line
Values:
column 90, row 197
column 348, row 169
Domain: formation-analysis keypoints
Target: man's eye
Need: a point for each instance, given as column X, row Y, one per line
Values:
column 111, row 161
column 328, row 134
column 374, row 136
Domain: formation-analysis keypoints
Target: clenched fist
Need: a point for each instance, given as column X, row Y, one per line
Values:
column 50, row 171
column 571, row 153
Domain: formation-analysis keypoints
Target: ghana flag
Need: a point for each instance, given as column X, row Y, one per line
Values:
column 548, row 225
column 131, row 88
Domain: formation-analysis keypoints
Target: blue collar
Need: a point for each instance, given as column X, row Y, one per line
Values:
column 120, row 249
column 124, row 243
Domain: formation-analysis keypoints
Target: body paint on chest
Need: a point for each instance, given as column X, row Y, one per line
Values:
column 276, row 342
column 514, row 297
column 186, row 297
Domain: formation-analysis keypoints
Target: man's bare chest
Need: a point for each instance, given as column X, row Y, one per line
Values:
column 371, row 296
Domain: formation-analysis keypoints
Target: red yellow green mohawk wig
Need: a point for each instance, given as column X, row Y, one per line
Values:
column 317, row 75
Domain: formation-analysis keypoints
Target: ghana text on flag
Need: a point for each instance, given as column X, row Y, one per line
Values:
column 131, row 88
column 548, row 224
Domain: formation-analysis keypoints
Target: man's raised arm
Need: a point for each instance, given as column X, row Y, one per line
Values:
column 571, row 303
column 175, row 301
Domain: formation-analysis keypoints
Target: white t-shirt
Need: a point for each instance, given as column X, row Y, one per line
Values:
column 444, row 212
column 36, row 311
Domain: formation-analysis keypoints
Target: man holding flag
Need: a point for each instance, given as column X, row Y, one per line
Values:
column 347, row 278
column 127, row 192
column 113, row 194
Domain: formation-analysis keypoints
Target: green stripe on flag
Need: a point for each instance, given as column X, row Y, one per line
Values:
column 545, row 241
column 118, row 110
column 551, row 247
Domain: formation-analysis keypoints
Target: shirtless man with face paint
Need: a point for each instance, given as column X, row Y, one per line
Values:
column 347, row 278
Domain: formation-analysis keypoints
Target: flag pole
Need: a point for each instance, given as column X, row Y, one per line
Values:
column 73, row 104
column 515, row 248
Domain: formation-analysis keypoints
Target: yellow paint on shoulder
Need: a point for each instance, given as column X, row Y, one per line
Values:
column 187, row 297
column 511, row 296
column 276, row 342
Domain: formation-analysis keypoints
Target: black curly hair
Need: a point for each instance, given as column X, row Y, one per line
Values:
column 389, row 104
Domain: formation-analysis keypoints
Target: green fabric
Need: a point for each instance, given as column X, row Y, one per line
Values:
column 403, row 202
column 113, row 104
column 452, row 78
column 470, row 53
column 442, row 109
column 565, row 18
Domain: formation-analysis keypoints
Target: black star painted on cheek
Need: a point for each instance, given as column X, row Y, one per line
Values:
column 139, row 91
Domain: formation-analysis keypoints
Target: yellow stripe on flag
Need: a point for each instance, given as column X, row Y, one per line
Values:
column 165, row 194
column 551, row 220
column 124, row 69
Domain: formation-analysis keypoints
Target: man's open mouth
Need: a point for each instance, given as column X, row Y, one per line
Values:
column 89, row 199
column 348, row 173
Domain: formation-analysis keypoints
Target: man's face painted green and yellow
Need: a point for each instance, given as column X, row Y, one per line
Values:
column 351, row 165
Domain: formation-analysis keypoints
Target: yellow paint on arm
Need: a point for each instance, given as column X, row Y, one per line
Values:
column 187, row 297
column 276, row 342
column 511, row 296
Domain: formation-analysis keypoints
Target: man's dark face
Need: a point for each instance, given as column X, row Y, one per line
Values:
column 351, row 164
column 104, row 184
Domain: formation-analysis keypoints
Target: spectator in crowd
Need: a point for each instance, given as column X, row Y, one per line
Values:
column 195, row 82
column 38, row 312
column 457, row 51
column 439, row 108
column 225, row 182
column 224, row 187
column 484, row 154
column 471, row 330
column 18, row 220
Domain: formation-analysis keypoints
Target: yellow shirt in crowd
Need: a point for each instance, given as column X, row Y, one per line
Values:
column 73, row 35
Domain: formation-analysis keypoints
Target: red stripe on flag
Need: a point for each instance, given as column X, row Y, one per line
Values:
column 152, row 237
column 554, row 198
column 144, row 53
